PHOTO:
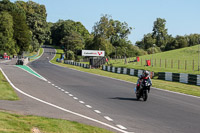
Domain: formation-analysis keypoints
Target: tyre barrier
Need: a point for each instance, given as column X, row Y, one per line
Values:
column 180, row 77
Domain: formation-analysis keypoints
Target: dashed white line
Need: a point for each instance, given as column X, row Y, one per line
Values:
column 108, row 118
column 66, row 92
column 62, row 90
column 122, row 127
column 49, row 82
column 88, row 106
column 97, row 111
column 60, row 108
column 75, row 98
column 70, row 95
column 82, row 102
column 53, row 84
column 56, row 86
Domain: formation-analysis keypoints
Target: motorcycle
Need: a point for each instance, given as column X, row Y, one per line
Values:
column 144, row 88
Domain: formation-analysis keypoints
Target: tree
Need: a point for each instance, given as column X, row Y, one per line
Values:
column 160, row 33
column 7, row 43
column 22, row 34
column 147, row 42
column 73, row 42
column 109, row 33
column 36, row 21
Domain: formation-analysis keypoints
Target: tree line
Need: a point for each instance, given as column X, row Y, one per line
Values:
column 107, row 34
column 23, row 27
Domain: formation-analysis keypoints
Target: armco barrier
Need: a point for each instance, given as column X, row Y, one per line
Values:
column 180, row 77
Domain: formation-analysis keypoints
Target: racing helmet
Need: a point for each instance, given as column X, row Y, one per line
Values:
column 146, row 73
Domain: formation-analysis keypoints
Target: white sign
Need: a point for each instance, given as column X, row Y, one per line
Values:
column 93, row 53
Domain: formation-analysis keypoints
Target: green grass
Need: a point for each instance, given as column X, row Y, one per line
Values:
column 183, row 60
column 6, row 91
column 166, row 85
column 15, row 123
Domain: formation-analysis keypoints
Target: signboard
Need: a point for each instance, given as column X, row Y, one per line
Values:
column 93, row 53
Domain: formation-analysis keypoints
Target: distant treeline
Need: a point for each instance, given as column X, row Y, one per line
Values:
column 159, row 40
column 23, row 27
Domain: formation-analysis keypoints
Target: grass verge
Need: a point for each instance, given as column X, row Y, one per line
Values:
column 166, row 85
column 15, row 123
column 7, row 92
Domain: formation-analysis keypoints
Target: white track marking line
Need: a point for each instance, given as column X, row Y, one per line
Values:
column 60, row 108
column 66, row 92
column 130, row 82
column 97, row 111
column 108, row 118
column 53, row 84
column 49, row 82
column 122, row 127
column 88, row 106
column 62, row 90
column 70, row 95
column 81, row 102
column 75, row 98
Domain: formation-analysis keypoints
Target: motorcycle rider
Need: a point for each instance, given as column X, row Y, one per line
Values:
column 145, row 76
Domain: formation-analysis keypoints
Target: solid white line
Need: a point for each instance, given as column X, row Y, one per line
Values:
column 122, row 127
column 60, row 108
column 108, row 118
column 97, row 111
column 88, row 106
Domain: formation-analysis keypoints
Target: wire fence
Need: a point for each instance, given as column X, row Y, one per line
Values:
column 178, row 64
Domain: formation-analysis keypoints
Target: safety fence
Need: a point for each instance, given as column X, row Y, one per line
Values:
column 180, row 77
column 77, row 64
column 121, row 70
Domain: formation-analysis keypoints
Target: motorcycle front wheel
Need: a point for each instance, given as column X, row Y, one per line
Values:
column 145, row 95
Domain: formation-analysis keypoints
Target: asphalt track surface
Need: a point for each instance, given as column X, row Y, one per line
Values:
column 164, row 112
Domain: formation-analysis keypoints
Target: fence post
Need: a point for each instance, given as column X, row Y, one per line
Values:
column 172, row 63
column 185, row 64
column 160, row 62
column 193, row 64
column 178, row 64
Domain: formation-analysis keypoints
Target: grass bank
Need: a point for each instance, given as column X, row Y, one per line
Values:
column 184, row 60
column 166, row 85
column 6, row 91
column 14, row 123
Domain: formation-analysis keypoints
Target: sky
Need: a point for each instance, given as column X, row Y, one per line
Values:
column 182, row 16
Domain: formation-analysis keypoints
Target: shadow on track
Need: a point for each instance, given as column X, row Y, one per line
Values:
column 127, row 99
